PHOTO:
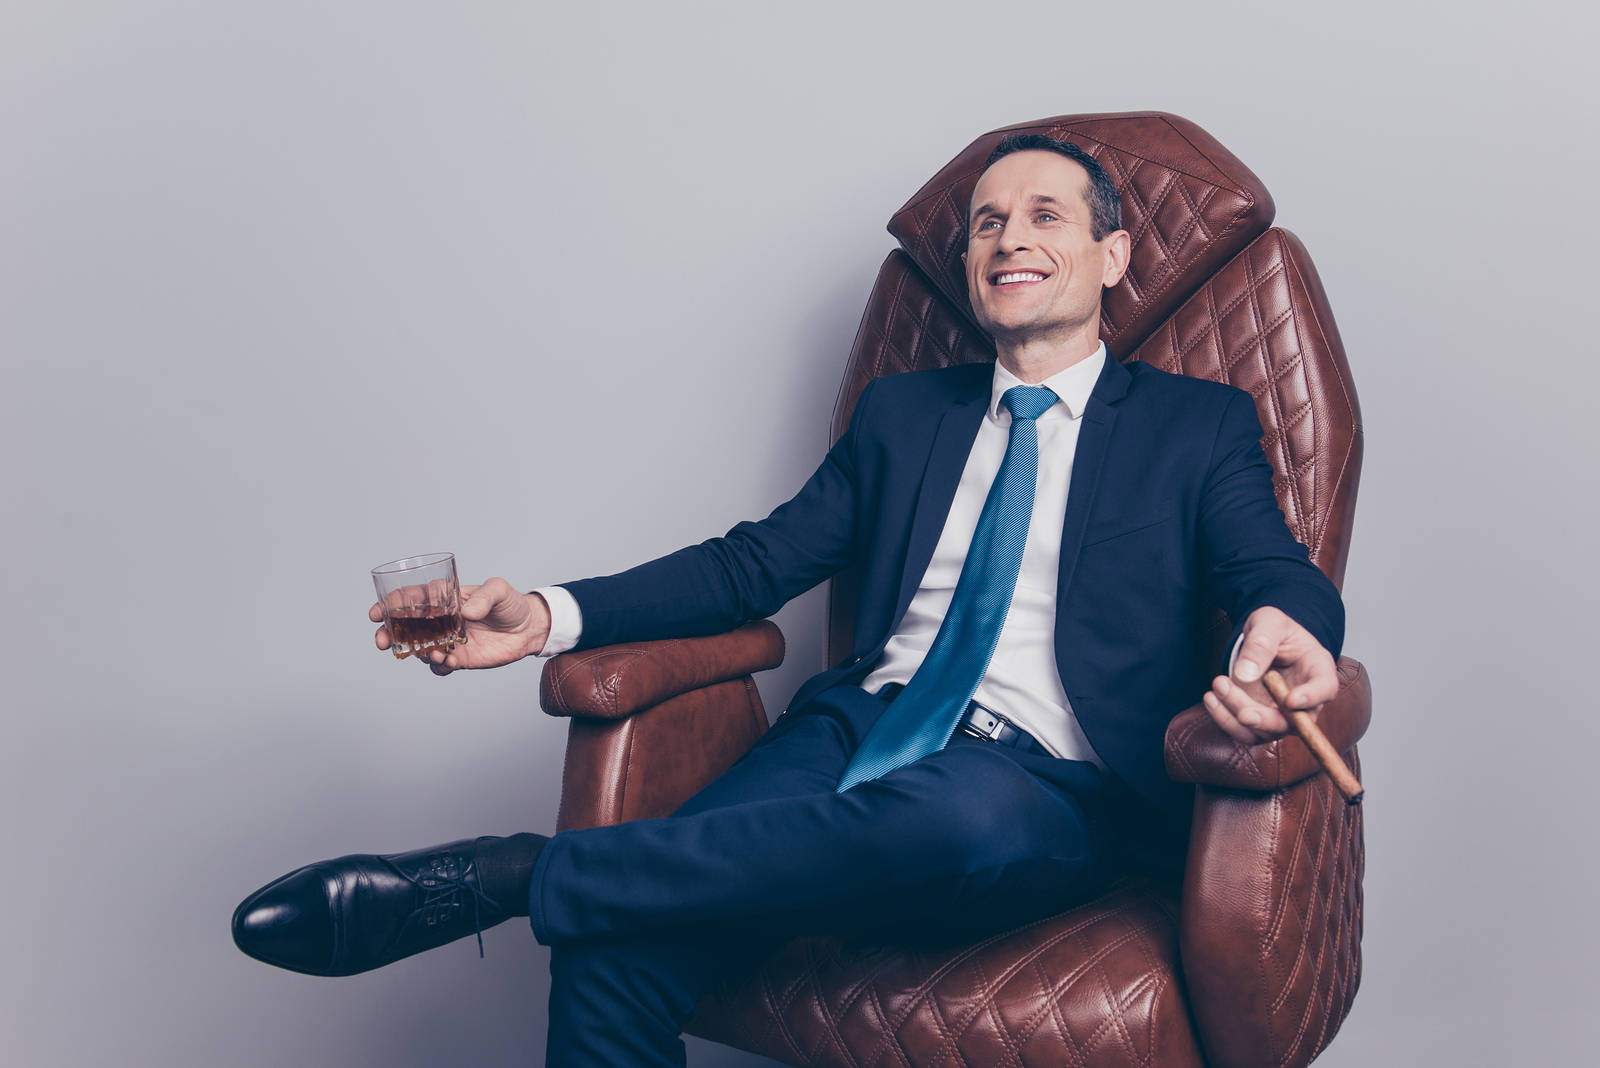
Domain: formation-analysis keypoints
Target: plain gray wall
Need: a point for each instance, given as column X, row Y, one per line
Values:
column 290, row 289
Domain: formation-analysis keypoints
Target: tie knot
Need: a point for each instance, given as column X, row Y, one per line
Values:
column 1028, row 402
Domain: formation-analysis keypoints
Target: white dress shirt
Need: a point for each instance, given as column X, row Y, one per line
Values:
column 1022, row 683
column 566, row 620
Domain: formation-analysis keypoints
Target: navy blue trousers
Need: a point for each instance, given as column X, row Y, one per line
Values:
column 644, row 917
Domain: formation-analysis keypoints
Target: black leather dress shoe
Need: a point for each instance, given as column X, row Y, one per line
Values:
column 361, row 912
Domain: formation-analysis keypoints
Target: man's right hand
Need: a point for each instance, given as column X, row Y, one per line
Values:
column 503, row 626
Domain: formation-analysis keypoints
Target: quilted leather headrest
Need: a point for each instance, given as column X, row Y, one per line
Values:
column 1188, row 204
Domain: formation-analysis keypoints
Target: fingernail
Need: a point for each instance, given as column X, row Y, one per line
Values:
column 1224, row 685
column 1247, row 670
column 1249, row 719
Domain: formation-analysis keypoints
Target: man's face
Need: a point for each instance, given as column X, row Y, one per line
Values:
column 1034, row 268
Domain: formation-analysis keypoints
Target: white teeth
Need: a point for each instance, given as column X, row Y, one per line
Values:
column 1019, row 276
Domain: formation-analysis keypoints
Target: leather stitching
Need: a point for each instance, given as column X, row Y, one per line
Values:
column 1262, row 348
column 1083, row 971
column 1344, row 389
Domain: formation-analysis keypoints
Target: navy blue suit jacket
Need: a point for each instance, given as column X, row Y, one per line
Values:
column 1170, row 515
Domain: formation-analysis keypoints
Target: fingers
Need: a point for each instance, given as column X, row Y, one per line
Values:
column 1313, row 681
column 439, row 663
column 1243, row 714
column 391, row 600
column 1225, row 719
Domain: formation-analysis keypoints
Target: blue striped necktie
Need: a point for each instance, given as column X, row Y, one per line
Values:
column 923, row 716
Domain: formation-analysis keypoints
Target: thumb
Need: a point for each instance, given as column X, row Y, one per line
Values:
column 476, row 602
column 481, row 600
column 1263, row 634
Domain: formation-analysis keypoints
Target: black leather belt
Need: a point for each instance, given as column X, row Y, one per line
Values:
column 984, row 723
column 981, row 722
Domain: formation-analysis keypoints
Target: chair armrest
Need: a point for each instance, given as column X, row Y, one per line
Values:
column 1271, row 917
column 615, row 681
column 1271, row 920
column 1197, row 751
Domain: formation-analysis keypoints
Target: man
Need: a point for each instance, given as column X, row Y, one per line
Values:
column 1040, row 543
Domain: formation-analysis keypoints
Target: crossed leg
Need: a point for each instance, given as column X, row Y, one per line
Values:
column 642, row 918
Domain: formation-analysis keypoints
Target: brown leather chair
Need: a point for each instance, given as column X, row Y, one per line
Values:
column 1255, row 959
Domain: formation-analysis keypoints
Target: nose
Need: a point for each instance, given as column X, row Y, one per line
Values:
column 1013, row 237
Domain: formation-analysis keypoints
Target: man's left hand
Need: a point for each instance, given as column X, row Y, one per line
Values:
column 1241, row 705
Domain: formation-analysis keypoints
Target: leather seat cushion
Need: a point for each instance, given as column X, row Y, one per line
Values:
column 1097, row 985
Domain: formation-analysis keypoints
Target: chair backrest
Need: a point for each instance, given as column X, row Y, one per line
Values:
column 1212, row 290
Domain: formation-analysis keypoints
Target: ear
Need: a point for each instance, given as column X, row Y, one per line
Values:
column 1118, row 247
column 963, row 259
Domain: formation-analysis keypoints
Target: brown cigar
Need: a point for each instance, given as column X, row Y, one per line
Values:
column 1315, row 740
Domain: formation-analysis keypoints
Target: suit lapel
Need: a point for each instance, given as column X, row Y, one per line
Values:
column 1094, row 438
column 946, row 460
column 952, row 443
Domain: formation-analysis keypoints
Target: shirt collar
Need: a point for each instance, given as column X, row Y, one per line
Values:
column 1072, row 385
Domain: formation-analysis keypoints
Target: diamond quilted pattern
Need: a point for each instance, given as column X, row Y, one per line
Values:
column 1262, row 323
column 908, row 326
column 1188, row 205
column 1312, row 942
column 1298, row 854
column 1094, row 986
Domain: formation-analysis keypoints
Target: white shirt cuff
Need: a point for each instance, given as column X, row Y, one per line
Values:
column 1231, row 656
column 566, row 620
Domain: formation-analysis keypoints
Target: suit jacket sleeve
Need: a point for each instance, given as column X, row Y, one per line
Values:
column 746, row 574
column 1249, row 556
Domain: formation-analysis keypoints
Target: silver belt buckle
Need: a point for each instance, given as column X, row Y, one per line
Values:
column 992, row 730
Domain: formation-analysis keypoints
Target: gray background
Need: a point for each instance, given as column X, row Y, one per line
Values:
column 291, row 289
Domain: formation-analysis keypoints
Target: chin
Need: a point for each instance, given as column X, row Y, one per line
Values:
column 1011, row 331
column 990, row 323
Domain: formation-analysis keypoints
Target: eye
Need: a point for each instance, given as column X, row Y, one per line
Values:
column 989, row 224
column 1045, row 216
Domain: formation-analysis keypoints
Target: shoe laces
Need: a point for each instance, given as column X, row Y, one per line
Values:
column 443, row 881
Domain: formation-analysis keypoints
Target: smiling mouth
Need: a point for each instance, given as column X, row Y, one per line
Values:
column 1011, row 278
